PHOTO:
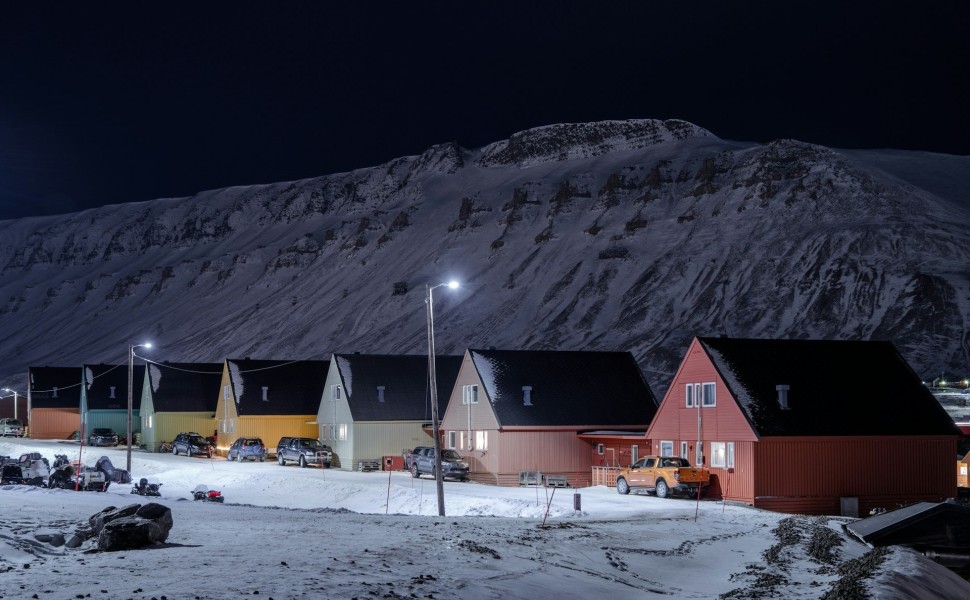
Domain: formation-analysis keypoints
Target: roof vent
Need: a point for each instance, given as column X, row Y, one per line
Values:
column 527, row 395
column 380, row 393
column 111, row 392
column 55, row 391
column 265, row 393
column 783, row 396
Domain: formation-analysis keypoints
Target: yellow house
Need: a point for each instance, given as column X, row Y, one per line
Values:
column 269, row 399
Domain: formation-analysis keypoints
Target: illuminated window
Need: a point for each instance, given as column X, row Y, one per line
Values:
column 481, row 440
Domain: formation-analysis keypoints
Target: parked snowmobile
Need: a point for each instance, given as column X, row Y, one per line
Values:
column 203, row 493
column 35, row 468
column 113, row 473
column 65, row 476
column 146, row 487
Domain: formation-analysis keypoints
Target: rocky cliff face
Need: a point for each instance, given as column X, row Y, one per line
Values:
column 622, row 235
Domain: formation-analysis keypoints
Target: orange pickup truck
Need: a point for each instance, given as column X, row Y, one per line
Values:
column 663, row 475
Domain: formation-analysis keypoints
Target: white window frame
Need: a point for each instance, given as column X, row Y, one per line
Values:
column 699, row 455
column 481, row 440
column 342, row 432
column 634, row 453
column 469, row 394
column 689, row 395
column 685, row 450
column 452, row 435
column 730, row 455
column 225, row 392
column 600, row 449
column 718, row 455
column 708, row 394
column 334, row 393
column 666, row 448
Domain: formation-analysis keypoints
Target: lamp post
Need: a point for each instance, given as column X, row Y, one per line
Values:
column 131, row 376
column 14, row 392
column 438, row 477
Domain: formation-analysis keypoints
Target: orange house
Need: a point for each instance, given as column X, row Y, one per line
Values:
column 789, row 425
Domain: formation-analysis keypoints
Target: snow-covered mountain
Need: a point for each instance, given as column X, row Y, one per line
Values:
column 620, row 235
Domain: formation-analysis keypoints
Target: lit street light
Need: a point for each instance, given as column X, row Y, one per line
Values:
column 131, row 371
column 438, row 477
column 15, row 393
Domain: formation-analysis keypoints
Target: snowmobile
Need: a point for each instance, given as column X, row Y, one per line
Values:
column 64, row 475
column 144, row 487
column 30, row 469
column 114, row 474
column 204, row 494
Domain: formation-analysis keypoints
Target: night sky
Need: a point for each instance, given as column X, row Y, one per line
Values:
column 105, row 102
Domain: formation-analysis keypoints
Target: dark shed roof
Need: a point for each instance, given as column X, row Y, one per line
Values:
column 184, row 387
column 405, row 382
column 568, row 388
column 933, row 524
column 293, row 387
column 836, row 387
column 100, row 379
column 54, row 387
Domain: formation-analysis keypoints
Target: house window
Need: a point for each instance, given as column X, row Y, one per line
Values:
column 634, row 453
column 730, row 455
column 699, row 461
column 708, row 395
column 452, row 437
column 469, row 394
column 150, row 419
column 600, row 449
column 481, row 440
column 225, row 393
column 718, row 454
column 342, row 432
column 666, row 448
column 334, row 393
column 684, row 450
column 689, row 395
column 232, row 426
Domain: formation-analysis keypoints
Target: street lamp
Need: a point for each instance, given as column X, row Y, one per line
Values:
column 14, row 392
column 438, row 477
column 131, row 373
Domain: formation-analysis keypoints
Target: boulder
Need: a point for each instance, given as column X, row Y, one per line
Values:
column 146, row 526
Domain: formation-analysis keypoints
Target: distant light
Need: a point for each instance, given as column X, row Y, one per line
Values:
column 453, row 284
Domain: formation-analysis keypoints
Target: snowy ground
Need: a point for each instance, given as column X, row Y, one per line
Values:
column 287, row 532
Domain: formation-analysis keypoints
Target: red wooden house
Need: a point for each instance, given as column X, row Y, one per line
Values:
column 518, row 411
column 808, row 426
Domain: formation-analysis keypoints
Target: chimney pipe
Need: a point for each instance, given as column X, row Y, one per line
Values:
column 782, row 396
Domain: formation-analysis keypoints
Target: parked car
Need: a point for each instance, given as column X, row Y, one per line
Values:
column 303, row 451
column 663, row 475
column 191, row 444
column 247, row 449
column 11, row 427
column 103, row 436
column 421, row 460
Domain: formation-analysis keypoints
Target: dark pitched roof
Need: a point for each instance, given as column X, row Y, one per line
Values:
column 54, row 387
column 837, row 387
column 568, row 388
column 184, row 387
column 405, row 381
column 100, row 379
column 293, row 387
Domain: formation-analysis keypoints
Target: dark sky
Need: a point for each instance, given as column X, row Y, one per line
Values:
column 105, row 102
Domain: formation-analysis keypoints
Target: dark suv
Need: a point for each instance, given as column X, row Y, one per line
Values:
column 103, row 436
column 421, row 460
column 303, row 451
column 191, row 444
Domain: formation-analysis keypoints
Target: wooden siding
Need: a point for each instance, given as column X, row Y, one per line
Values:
column 270, row 428
column 377, row 440
column 165, row 426
column 722, row 422
column 335, row 413
column 552, row 452
column 867, row 468
column 465, row 417
column 112, row 419
column 54, row 423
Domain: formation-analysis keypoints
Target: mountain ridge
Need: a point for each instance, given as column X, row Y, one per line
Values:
column 620, row 235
